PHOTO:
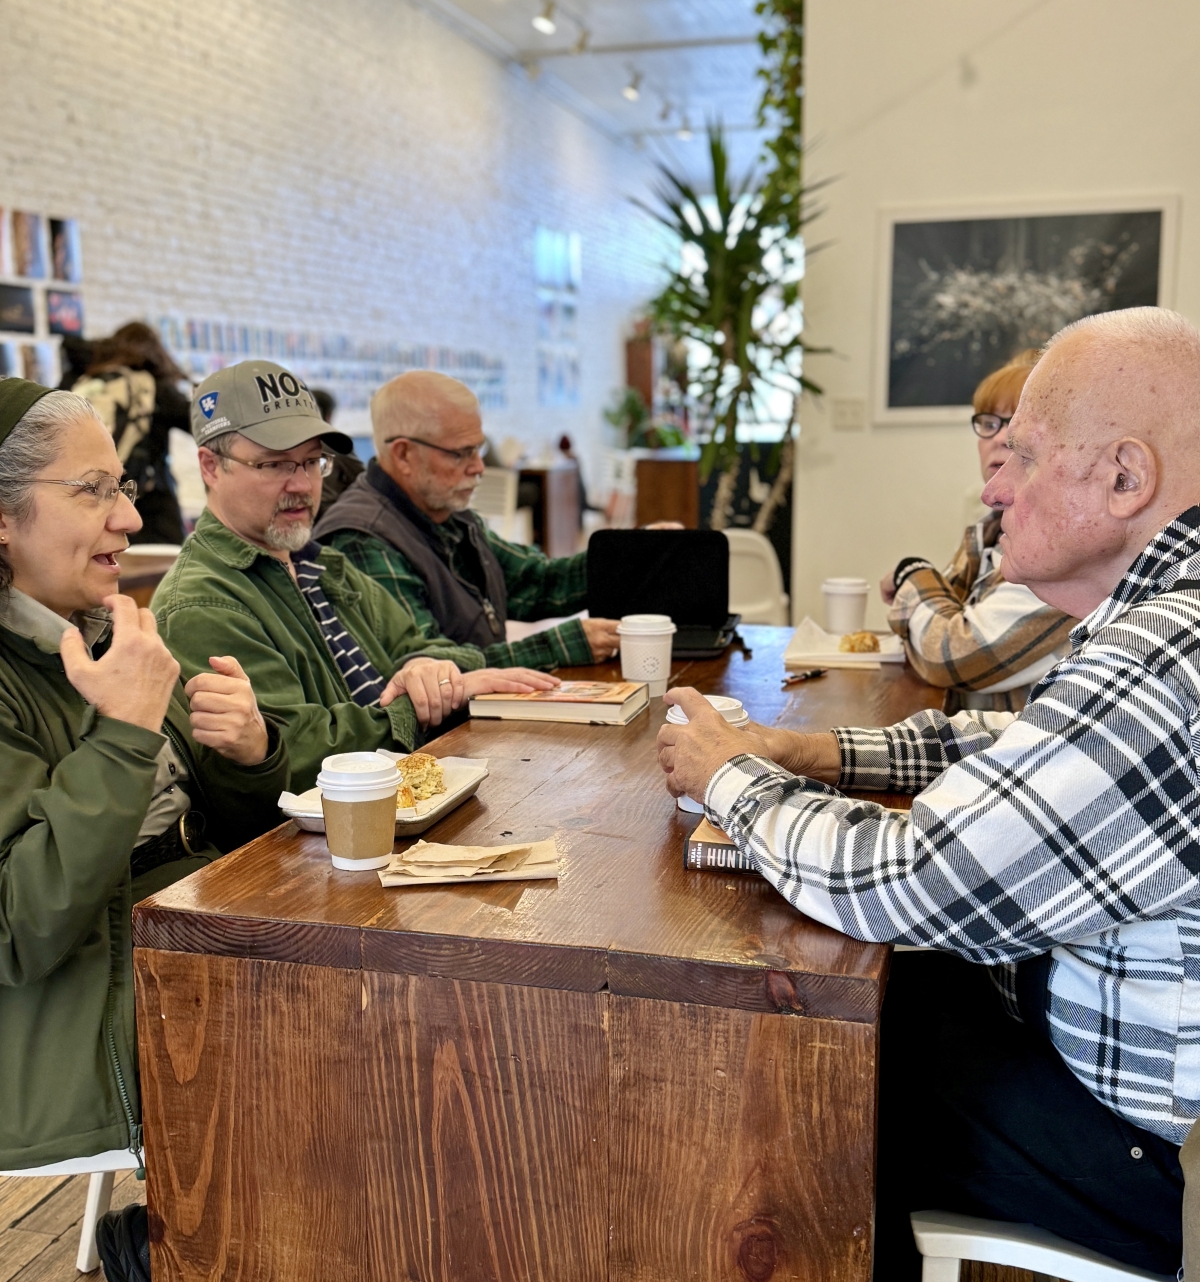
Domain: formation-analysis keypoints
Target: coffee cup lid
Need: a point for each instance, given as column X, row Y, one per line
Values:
column 645, row 624
column 845, row 585
column 731, row 709
column 356, row 770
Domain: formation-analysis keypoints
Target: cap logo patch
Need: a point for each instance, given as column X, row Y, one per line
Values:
column 208, row 404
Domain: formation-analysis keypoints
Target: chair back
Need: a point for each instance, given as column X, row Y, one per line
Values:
column 755, row 580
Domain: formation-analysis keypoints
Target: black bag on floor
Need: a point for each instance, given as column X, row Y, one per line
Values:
column 123, row 1244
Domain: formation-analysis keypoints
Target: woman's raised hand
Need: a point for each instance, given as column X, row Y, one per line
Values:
column 225, row 715
column 132, row 681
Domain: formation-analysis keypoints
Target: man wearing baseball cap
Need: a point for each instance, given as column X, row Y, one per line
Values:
column 333, row 658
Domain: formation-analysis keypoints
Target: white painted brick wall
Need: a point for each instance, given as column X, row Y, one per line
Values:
column 350, row 167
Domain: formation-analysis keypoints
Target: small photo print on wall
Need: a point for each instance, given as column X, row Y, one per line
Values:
column 29, row 244
column 10, row 361
column 39, row 363
column 65, row 252
column 64, row 313
column 966, row 294
column 17, row 315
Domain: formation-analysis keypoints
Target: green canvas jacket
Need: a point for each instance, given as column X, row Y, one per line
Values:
column 76, row 787
column 226, row 596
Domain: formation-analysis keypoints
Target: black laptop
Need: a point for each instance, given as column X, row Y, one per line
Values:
column 681, row 573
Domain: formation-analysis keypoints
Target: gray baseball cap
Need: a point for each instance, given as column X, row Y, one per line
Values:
column 266, row 403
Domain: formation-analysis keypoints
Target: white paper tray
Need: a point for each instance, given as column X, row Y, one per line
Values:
column 462, row 776
column 812, row 647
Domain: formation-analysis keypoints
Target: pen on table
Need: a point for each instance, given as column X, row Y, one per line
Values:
column 797, row 677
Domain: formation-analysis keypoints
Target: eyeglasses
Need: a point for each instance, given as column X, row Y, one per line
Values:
column 987, row 425
column 286, row 467
column 104, row 489
column 462, row 457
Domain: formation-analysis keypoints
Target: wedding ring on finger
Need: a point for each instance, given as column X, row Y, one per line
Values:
column 445, row 681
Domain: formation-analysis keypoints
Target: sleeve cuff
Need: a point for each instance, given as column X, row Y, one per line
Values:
column 403, row 719
column 574, row 642
column 909, row 565
column 866, row 759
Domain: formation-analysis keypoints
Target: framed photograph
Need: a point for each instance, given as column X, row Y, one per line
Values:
column 65, row 253
column 64, row 312
column 29, row 244
column 962, row 291
column 17, row 315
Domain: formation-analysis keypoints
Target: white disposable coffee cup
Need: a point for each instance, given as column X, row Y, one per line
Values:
column 358, row 800
column 646, row 650
column 845, row 605
column 731, row 710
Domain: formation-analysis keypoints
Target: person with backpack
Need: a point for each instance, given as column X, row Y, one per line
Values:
column 133, row 384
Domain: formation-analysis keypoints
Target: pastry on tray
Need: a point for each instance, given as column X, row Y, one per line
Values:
column 420, row 778
column 859, row 643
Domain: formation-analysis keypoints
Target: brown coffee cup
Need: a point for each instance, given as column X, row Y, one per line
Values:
column 358, row 800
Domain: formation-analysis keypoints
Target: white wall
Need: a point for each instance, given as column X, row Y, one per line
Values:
column 352, row 168
column 954, row 102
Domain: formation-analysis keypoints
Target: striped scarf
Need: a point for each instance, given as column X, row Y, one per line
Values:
column 364, row 682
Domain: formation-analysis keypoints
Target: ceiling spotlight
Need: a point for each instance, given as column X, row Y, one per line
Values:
column 667, row 108
column 633, row 90
column 544, row 22
column 581, row 44
column 684, row 133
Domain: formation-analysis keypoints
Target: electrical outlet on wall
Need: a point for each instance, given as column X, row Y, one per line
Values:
column 849, row 415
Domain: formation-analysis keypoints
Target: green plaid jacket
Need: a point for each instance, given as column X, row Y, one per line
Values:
column 538, row 588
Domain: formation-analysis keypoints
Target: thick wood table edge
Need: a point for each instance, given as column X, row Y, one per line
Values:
column 753, row 987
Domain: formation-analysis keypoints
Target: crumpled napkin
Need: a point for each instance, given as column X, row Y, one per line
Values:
column 431, row 863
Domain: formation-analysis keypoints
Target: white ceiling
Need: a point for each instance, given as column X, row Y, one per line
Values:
column 708, row 74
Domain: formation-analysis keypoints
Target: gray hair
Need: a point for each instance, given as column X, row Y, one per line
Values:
column 29, row 448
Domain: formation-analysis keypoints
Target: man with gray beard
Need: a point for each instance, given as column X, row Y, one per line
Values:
column 332, row 657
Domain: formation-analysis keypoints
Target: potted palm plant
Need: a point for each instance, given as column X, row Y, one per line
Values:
column 734, row 295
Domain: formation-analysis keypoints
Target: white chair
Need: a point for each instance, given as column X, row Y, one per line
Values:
column 102, row 1167
column 945, row 1240
column 755, row 580
column 495, row 499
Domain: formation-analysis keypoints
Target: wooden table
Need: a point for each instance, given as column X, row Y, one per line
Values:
column 635, row 1073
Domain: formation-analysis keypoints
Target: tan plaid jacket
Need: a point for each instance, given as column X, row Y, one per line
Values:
column 969, row 630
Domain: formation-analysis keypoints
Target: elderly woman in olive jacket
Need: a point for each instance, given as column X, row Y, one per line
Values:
column 116, row 781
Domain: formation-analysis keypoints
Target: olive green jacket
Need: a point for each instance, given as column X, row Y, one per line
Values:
column 226, row 596
column 76, row 787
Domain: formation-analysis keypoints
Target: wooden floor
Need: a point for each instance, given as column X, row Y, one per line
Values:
column 39, row 1225
column 39, row 1230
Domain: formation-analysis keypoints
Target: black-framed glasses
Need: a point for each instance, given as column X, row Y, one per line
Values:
column 462, row 457
column 104, row 489
column 986, row 426
column 286, row 467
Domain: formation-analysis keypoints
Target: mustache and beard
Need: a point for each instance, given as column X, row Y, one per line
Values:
column 290, row 536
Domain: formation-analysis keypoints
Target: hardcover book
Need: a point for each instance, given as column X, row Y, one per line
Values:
column 708, row 849
column 611, row 703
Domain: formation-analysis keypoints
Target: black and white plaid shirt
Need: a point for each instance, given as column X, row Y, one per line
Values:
column 1071, row 828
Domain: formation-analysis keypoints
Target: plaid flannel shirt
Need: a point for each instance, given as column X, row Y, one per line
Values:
column 538, row 588
column 1072, row 828
column 967, row 628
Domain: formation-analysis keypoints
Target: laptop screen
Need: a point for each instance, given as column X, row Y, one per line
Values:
column 682, row 573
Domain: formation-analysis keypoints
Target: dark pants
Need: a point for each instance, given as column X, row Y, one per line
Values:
column 978, row 1114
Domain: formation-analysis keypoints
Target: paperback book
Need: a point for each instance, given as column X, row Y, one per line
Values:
column 609, row 703
column 708, row 849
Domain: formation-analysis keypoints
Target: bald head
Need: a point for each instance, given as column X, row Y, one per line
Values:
column 1105, row 452
column 428, row 438
column 421, row 403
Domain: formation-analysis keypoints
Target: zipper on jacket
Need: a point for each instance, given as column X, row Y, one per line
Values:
column 135, row 1129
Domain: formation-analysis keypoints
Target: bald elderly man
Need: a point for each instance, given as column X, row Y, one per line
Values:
column 406, row 523
column 1058, row 847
